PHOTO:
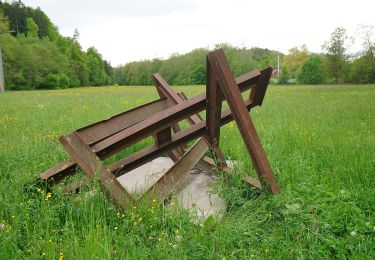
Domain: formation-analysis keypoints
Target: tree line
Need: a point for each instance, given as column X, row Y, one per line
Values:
column 36, row 56
column 190, row 68
column 333, row 65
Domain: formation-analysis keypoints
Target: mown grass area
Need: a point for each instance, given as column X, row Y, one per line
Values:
column 320, row 141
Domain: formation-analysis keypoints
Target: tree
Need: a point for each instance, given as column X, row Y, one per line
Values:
column 96, row 67
column 311, row 71
column 295, row 58
column 190, row 68
column 76, row 35
column 43, row 59
column 363, row 69
column 285, row 76
column 367, row 35
column 198, row 75
column 336, row 58
column 4, row 24
column 32, row 28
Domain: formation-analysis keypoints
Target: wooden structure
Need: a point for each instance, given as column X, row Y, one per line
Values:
column 89, row 146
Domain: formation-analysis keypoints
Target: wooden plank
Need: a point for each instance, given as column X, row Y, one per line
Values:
column 254, row 182
column 165, row 186
column 165, row 91
column 213, row 109
column 207, row 163
column 237, row 105
column 163, row 136
column 184, row 97
column 100, row 130
column 94, row 168
column 169, row 93
column 213, row 114
column 59, row 171
column 257, row 93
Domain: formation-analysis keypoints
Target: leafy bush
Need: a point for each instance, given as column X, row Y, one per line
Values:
column 64, row 81
column 311, row 71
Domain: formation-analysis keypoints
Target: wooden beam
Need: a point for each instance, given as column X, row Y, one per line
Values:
column 228, row 85
column 169, row 93
column 169, row 181
column 257, row 93
column 163, row 136
column 94, row 168
column 213, row 113
column 213, row 108
column 98, row 131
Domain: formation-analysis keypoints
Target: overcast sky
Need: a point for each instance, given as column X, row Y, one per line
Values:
column 125, row 31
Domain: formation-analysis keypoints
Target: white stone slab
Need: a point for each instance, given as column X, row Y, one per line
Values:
column 139, row 180
column 193, row 192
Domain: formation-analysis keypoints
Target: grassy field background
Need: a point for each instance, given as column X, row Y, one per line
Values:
column 320, row 141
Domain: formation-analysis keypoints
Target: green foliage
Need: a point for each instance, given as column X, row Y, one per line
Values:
column 311, row 71
column 97, row 72
column 285, row 76
column 43, row 58
column 32, row 28
column 4, row 24
column 362, row 70
column 190, row 68
column 54, row 81
column 295, row 58
column 198, row 75
column 336, row 58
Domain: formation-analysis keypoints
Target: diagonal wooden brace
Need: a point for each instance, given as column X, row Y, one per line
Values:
column 169, row 181
column 94, row 167
column 219, row 65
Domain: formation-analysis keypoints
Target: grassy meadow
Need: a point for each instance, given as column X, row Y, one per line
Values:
column 320, row 141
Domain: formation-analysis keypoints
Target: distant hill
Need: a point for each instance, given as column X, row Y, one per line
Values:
column 190, row 68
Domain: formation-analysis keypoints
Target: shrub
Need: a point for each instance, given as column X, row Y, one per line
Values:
column 312, row 71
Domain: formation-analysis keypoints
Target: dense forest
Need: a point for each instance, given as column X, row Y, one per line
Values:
column 190, row 68
column 36, row 56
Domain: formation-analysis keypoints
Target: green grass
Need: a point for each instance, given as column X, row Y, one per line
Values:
column 320, row 141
